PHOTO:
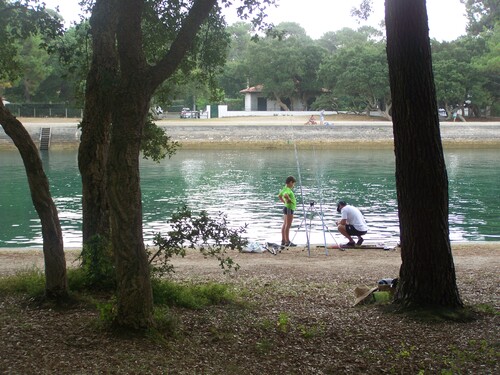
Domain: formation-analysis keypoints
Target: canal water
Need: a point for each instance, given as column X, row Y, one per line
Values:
column 243, row 184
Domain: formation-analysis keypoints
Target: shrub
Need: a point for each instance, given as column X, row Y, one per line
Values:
column 211, row 236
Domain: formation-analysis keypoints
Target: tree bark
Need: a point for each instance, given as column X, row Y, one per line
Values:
column 56, row 284
column 427, row 274
column 96, row 122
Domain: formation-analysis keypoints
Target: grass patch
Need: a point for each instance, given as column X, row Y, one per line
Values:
column 433, row 315
column 476, row 351
column 487, row 309
column 190, row 296
column 29, row 281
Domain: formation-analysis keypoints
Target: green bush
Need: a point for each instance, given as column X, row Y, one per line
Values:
column 235, row 104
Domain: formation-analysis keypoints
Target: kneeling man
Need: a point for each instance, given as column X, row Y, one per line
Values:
column 351, row 223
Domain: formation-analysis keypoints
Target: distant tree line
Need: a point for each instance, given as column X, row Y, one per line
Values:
column 343, row 70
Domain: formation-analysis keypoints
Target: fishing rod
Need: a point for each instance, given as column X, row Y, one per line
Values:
column 318, row 181
column 301, row 193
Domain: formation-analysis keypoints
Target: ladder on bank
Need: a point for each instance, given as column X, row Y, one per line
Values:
column 44, row 139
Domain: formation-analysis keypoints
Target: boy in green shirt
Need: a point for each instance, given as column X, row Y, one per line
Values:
column 287, row 197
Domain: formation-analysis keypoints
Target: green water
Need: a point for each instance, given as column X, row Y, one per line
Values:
column 244, row 185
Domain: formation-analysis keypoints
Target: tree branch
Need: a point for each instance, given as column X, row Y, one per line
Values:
column 190, row 27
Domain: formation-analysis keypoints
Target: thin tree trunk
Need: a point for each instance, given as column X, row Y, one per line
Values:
column 427, row 274
column 56, row 284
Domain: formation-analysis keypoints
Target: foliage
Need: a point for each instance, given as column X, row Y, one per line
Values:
column 481, row 15
column 72, row 55
column 34, row 68
column 97, row 264
column 359, row 73
column 211, row 236
column 156, row 144
column 286, row 66
column 487, row 65
column 235, row 104
column 20, row 20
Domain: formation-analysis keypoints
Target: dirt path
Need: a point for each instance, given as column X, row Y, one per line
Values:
column 369, row 265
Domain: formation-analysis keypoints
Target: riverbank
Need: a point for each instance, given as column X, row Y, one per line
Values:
column 295, row 315
column 277, row 132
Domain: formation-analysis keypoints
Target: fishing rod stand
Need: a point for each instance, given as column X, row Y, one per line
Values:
column 310, row 213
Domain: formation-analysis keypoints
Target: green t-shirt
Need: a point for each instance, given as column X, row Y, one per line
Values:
column 293, row 204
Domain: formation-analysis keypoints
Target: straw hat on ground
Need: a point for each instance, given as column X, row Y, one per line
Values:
column 363, row 293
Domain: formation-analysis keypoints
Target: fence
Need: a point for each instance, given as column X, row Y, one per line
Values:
column 44, row 110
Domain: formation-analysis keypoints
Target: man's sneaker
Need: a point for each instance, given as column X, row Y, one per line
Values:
column 348, row 245
column 290, row 244
column 360, row 241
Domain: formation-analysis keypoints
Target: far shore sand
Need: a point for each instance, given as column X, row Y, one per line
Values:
column 278, row 132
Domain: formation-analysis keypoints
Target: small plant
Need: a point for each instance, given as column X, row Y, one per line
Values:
column 283, row 322
column 264, row 346
column 267, row 324
column 310, row 332
column 211, row 236
column 107, row 311
column 166, row 323
column 97, row 264
column 403, row 356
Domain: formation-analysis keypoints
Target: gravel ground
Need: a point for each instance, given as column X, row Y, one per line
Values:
column 296, row 316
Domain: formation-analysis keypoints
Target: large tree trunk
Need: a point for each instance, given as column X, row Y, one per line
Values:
column 131, row 105
column 427, row 274
column 135, row 301
column 96, row 122
column 56, row 284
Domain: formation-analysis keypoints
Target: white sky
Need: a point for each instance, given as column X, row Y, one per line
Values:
column 446, row 17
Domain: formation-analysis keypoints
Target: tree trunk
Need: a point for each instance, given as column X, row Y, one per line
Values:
column 124, row 93
column 134, row 294
column 130, row 109
column 282, row 105
column 96, row 122
column 427, row 274
column 56, row 284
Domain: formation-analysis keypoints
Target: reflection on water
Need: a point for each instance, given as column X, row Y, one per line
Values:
column 244, row 185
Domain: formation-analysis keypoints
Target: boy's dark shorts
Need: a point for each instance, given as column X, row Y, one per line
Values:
column 287, row 211
column 353, row 231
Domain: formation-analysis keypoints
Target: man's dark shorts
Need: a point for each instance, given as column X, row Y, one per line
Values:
column 287, row 211
column 353, row 231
